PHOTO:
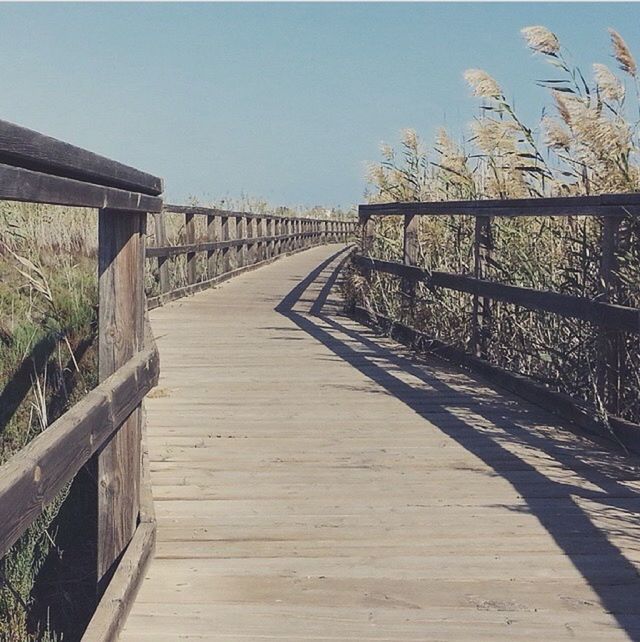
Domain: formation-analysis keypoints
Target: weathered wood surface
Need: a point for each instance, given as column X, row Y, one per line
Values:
column 29, row 149
column 601, row 205
column 34, row 475
column 121, row 243
column 19, row 184
column 312, row 482
column 610, row 315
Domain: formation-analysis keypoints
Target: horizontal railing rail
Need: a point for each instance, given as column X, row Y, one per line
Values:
column 611, row 318
column 609, row 315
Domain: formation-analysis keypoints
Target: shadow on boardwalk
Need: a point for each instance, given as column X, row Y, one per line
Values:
column 613, row 578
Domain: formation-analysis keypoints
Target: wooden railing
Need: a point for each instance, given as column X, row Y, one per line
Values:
column 609, row 317
column 233, row 242
column 104, row 432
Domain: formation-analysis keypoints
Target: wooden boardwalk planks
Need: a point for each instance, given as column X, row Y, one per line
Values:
column 313, row 482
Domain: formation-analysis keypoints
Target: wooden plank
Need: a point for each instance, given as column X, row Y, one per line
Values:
column 602, row 205
column 161, row 241
column 36, row 474
column 18, row 184
column 387, row 497
column 121, row 328
column 212, row 236
column 118, row 598
column 190, row 238
column 604, row 314
column 481, row 305
column 240, row 236
column 410, row 250
column 22, row 147
column 208, row 246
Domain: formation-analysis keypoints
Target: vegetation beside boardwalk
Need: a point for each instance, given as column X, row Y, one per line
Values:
column 587, row 143
column 48, row 296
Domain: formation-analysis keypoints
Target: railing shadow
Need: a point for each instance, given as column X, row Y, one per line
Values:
column 614, row 579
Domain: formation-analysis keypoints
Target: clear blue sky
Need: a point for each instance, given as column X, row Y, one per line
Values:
column 281, row 101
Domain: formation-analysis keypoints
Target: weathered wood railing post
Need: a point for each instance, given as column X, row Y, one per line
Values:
column 190, row 236
column 278, row 232
column 366, row 241
column 409, row 257
column 240, row 234
column 251, row 235
column 269, row 231
column 610, row 358
column 481, row 306
column 226, row 236
column 212, row 237
column 159, row 222
column 121, row 328
column 260, row 234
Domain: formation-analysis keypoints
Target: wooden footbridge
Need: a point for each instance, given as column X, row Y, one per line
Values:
column 299, row 475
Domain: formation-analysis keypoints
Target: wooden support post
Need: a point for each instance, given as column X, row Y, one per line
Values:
column 212, row 236
column 257, row 232
column 278, row 233
column 120, row 319
column 190, row 236
column 481, row 306
column 225, row 233
column 161, row 241
column 610, row 342
column 409, row 257
column 250, row 247
column 240, row 233
column 366, row 234
column 289, row 226
column 268, row 232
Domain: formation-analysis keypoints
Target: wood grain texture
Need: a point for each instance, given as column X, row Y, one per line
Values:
column 190, row 238
column 22, row 147
column 601, row 205
column 314, row 481
column 160, row 228
column 614, row 316
column 32, row 477
column 121, row 245
column 18, row 184
column 117, row 600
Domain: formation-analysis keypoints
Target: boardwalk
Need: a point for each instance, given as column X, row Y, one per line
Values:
column 313, row 482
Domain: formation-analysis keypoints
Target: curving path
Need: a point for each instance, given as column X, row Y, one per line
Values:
column 312, row 482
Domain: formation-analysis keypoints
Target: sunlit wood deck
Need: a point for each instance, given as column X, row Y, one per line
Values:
column 311, row 481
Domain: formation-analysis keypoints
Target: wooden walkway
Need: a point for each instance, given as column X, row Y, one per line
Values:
column 312, row 482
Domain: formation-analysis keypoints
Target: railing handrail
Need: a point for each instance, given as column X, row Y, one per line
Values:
column 39, row 169
column 200, row 210
column 601, row 205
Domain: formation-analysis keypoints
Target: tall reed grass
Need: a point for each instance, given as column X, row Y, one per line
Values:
column 586, row 143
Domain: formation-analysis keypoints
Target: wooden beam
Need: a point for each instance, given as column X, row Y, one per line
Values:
column 121, row 327
column 22, row 147
column 603, row 205
column 410, row 250
column 161, row 241
column 37, row 473
column 617, row 317
column 190, row 237
column 19, row 184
